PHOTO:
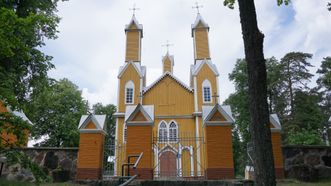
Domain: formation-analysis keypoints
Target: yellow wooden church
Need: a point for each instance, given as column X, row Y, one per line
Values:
column 181, row 129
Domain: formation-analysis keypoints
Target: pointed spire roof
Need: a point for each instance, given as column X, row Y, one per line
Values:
column 199, row 23
column 134, row 24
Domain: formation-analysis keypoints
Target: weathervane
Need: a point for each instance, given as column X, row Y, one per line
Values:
column 197, row 6
column 134, row 9
column 167, row 45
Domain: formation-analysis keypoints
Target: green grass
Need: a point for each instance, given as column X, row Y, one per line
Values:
column 4, row 182
column 299, row 183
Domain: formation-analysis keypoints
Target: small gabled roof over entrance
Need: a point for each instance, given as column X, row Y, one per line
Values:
column 139, row 114
column 92, row 122
column 274, row 121
column 217, row 115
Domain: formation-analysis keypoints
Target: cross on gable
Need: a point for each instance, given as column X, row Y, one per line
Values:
column 197, row 6
column 215, row 96
column 167, row 45
column 134, row 9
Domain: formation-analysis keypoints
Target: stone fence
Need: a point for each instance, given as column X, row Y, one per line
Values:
column 307, row 163
column 59, row 163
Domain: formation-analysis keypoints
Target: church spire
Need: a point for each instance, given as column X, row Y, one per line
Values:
column 168, row 60
column 200, row 31
column 134, row 33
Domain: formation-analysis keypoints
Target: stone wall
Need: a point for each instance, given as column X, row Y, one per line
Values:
column 307, row 163
column 59, row 163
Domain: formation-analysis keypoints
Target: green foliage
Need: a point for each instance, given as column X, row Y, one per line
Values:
column 11, row 124
column 304, row 137
column 24, row 25
column 108, row 110
column 55, row 112
column 230, row 3
column 19, row 157
column 325, row 71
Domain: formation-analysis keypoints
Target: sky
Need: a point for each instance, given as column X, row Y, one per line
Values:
column 90, row 46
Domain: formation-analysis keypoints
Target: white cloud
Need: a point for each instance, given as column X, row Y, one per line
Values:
column 91, row 44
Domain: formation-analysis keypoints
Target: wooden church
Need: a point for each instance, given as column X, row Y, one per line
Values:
column 181, row 129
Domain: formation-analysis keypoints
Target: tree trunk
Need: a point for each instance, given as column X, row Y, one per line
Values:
column 257, row 82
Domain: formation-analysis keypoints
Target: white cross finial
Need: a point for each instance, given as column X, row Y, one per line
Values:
column 134, row 9
column 167, row 45
column 197, row 6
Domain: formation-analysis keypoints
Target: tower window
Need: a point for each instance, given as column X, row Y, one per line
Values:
column 173, row 132
column 129, row 92
column 206, row 91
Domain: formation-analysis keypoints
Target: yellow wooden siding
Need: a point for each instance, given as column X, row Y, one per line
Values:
column 167, row 65
column 217, row 117
column 129, row 74
column 139, row 117
column 90, row 151
column 205, row 73
column 90, row 125
column 219, row 146
column 132, row 46
column 139, row 139
column 170, row 98
column 277, row 149
column 201, row 44
column 186, row 163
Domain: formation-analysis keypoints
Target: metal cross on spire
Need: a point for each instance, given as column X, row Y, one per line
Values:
column 167, row 45
column 197, row 6
column 215, row 96
column 134, row 9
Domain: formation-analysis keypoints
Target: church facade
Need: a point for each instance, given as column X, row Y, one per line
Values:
column 181, row 129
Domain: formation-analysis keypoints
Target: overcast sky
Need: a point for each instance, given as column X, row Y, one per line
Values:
column 91, row 43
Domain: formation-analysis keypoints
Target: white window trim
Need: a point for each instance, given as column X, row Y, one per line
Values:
column 206, row 83
column 158, row 132
column 173, row 121
column 125, row 133
column 129, row 84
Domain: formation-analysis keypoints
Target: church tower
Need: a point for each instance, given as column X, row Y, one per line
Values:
column 200, row 31
column 168, row 63
column 134, row 34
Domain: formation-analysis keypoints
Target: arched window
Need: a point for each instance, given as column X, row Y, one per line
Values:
column 173, row 131
column 163, row 132
column 206, row 91
column 129, row 92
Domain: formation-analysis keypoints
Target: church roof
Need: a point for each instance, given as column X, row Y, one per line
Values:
column 19, row 113
column 140, row 69
column 198, row 20
column 225, row 110
column 147, row 110
column 98, row 120
column 135, row 22
column 146, row 89
column 199, row 64
column 274, row 120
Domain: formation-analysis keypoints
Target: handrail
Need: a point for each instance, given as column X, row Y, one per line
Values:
column 129, row 180
column 138, row 160
column 128, row 164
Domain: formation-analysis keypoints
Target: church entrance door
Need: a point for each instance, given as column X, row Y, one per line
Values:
column 168, row 165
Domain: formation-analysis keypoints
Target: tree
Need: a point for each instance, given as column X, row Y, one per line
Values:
column 329, row 6
column 109, row 110
column 306, row 126
column 24, row 25
column 240, row 105
column 257, row 83
column 296, row 75
column 56, row 112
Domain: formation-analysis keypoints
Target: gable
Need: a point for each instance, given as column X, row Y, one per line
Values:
column 139, row 117
column 90, row 125
column 217, row 117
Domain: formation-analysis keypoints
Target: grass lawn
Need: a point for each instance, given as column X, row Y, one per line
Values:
column 4, row 182
column 298, row 183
